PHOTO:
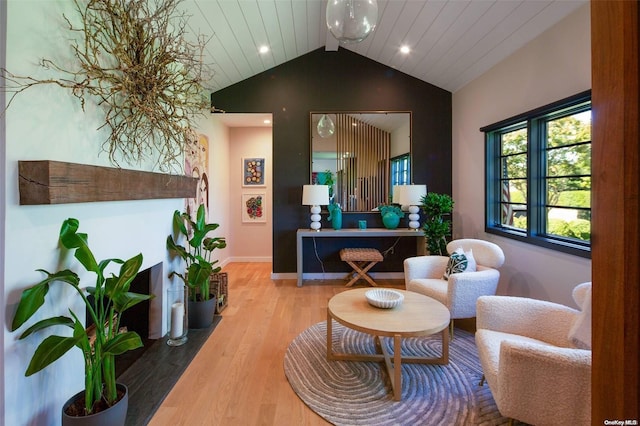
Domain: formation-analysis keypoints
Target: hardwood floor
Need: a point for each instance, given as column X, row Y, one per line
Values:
column 237, row 378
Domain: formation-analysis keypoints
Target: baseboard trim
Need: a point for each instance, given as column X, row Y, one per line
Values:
column 247, row 259
column 284, row 276
column 310, row 276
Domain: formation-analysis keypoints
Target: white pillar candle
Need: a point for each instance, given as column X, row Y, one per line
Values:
column 177, row 320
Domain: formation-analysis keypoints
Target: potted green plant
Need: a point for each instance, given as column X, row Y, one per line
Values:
column 435, row 226
column 99, row 343
column 391, row 215
column 199, row 265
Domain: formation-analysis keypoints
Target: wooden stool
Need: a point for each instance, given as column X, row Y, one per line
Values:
column 357, row 258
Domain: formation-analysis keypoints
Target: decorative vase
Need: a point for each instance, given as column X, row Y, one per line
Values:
column 201, row 312
column 390, row 220
column 335, row 216
column 115, row 415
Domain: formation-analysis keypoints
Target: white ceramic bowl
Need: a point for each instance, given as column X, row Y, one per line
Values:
column 384, row 298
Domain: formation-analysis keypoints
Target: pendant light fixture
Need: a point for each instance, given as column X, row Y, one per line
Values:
column 351, row 21
column 326, row 127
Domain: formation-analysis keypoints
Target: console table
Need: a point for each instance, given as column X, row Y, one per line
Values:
column 353, row 232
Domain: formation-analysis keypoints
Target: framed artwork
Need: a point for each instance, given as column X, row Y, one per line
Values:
column 196, row 164
column 253, row 208
column 253, row 172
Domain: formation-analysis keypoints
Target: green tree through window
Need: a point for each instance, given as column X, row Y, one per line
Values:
column 539, row 176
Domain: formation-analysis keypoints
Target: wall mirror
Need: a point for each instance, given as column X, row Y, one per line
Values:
column 360, row 155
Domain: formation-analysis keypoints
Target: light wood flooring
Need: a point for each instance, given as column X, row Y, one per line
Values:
column 238, row 378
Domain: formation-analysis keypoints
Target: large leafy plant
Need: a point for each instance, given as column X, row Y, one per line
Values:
column 99, row 344
column 436, row 227
column 197, row 255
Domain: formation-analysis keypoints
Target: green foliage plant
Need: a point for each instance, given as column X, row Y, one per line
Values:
column 391, row 208
column 197, row 254
column 111, row 297
column 436, row 227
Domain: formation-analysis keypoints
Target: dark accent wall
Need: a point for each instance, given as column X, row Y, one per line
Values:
column 337, row 81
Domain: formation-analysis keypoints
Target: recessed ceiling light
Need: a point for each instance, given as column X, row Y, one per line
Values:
column 267, row 121
column 263, row 49
column 405, row 49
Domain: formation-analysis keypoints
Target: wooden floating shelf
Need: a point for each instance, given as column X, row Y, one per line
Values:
column 56, row 182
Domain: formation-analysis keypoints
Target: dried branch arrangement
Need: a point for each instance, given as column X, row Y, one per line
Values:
column 134, row 60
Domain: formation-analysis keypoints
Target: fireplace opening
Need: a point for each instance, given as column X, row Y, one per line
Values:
column 135, row 319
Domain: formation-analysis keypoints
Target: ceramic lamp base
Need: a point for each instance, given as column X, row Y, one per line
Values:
column 315, row 218
column 414, row 217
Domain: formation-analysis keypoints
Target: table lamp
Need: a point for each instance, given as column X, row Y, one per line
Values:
column 395, row 198
column 315, row 196
column 411, row 195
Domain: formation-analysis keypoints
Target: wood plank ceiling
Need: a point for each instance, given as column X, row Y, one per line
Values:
column 451, row 41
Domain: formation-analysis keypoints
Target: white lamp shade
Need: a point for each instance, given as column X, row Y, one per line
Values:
column 411, row 195
column 396, row 193
column 315, row 195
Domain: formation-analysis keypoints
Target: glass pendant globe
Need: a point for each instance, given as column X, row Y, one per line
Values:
column 351, row 21
column 326, row 127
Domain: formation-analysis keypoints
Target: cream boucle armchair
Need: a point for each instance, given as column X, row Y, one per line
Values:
column 424, row 274
column 536, row 357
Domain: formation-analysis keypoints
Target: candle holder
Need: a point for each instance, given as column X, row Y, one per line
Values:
column 177, row 315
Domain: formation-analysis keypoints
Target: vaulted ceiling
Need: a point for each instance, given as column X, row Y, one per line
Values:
column 451, row 42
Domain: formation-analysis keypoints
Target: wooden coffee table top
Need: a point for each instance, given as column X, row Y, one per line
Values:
column 418, row 315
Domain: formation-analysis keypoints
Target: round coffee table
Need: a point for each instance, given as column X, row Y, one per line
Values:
column 418, row 315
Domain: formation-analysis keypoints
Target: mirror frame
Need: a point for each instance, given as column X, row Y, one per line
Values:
column 311, row 137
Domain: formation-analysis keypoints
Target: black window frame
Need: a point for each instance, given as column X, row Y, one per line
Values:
column 535, row 123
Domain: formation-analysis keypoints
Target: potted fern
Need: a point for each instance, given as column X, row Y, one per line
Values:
column 199, row 265
column 99, row 343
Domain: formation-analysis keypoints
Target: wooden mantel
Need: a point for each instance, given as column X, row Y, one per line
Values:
column 55, row 182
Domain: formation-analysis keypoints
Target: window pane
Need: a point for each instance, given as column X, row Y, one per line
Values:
column 514, row 215
column 569, row 192
column 514, row 191
column 569, row 130
column 569, row 223
column 513, row 198
column 569, row 161
column 514, row 166
column 514, row 142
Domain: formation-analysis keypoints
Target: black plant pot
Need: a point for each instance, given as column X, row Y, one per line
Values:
column 115, row 415
column 201, row 313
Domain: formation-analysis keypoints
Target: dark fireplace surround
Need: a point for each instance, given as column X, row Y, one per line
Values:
column 145, row 318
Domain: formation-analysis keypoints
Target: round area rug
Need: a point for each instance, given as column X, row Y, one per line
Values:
column 359, row 393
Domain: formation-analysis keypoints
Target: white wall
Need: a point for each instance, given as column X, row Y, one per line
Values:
column 401, row 141
column 219, row 191
column 47, row 123
column 554, row 66
column 252, row 242
column 3, row 145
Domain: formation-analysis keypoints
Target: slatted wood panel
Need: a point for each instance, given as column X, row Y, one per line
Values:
column 363, row 154
column 55, row 182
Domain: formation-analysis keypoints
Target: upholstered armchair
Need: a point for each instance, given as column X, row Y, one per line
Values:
column 459, row 293
column 536, row 357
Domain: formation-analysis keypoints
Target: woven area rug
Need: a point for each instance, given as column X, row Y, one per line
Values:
column 359, row 393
